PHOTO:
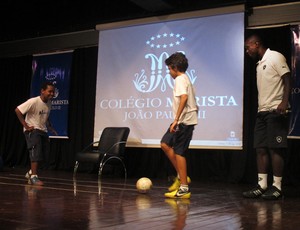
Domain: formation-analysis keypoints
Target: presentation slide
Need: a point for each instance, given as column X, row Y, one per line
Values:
column 134, row 87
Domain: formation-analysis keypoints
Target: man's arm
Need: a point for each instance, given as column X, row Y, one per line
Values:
column 283, row 106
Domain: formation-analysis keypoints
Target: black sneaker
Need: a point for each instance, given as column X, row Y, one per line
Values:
column 254, row 193
column 272, row 193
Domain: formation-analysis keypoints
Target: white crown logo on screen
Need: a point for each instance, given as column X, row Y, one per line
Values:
column 159, row 73
column 165, row 40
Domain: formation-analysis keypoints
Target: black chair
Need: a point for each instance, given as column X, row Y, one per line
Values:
column 111, row 146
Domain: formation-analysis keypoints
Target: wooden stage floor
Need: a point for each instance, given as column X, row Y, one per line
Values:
column 85, row 203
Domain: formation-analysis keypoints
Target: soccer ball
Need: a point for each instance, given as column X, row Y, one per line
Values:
column 143, row 185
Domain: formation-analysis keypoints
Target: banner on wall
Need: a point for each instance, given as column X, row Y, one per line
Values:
column 294, row 131
column 56, row 68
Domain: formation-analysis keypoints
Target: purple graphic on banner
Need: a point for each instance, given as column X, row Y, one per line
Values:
column 295, row 97
column 55, row 68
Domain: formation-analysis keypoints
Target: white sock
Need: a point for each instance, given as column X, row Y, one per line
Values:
column 277, row 182
column 33, row 176
column 263, row 180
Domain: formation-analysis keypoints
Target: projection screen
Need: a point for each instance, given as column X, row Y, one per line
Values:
column 134, row 87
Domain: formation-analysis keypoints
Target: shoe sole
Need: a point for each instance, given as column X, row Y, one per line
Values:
column 185, row 196
column 272, row 197
column 252, row 197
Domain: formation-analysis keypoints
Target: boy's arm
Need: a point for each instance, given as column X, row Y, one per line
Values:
column 182, row 104
column 50, row 127
column 22, row 120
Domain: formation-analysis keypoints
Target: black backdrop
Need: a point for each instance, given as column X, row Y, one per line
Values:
column 234, row 166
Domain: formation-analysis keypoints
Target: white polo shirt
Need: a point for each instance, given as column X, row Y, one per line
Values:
column 182, row 86
column 37, row 112
column 269, row 71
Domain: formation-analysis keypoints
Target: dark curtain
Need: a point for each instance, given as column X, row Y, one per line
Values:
column 15, row 88
column 234, row 166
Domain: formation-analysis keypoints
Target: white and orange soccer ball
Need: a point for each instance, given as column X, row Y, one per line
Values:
column 143, row 185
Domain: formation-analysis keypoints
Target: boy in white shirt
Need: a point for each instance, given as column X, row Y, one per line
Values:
column 36, row 124
column 176, row 140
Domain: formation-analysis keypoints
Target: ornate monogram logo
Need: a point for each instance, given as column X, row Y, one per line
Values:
column 159, row 76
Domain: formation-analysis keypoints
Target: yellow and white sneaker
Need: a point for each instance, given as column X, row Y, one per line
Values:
column 176, row 184
column 179, row 194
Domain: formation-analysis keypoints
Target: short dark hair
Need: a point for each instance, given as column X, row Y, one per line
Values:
column 255, row 38
column 45, row 85
column 177, row 60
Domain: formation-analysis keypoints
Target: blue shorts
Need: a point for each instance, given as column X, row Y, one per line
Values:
column 271, row 130
column 179, row 140
column 37, row 144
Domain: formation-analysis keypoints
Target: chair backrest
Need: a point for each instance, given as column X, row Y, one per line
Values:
column 112, row 135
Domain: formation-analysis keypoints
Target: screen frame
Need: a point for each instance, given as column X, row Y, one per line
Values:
column 172, row 17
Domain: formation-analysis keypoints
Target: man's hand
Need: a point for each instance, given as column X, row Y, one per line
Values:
column 282, row 108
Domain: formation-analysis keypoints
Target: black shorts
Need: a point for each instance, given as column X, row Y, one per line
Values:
column 37, row 144
column 271, row 130
column 179, row 140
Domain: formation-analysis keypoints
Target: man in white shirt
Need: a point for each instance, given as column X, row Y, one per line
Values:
column 271, row 127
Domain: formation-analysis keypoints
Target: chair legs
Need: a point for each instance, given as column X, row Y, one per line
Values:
column 102, row 164
column 75, row 167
